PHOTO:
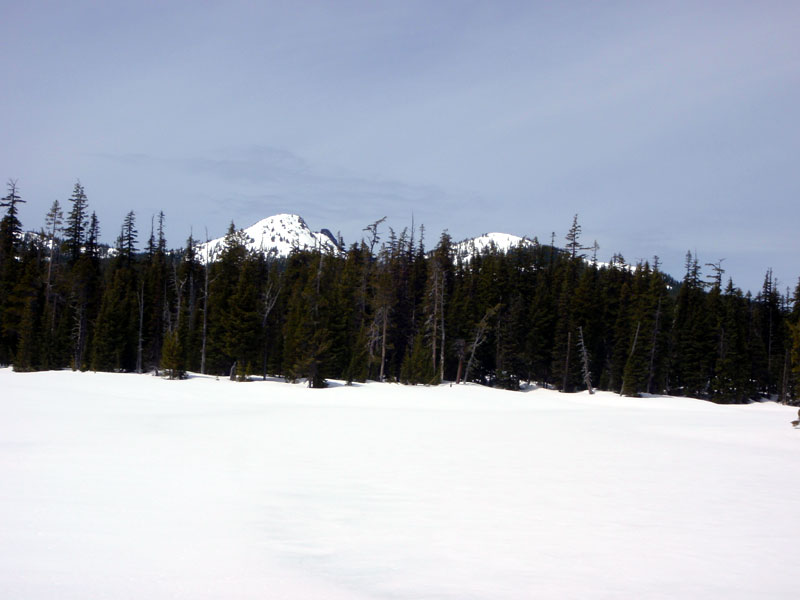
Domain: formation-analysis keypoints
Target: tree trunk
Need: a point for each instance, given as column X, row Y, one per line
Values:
column 205, row 322
column 441, row 313
column 140, row 298
column 566, row 363
column 383, row 342
column 587, row 379
column 651, row 373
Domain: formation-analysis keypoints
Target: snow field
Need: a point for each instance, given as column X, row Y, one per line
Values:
column 127, row 486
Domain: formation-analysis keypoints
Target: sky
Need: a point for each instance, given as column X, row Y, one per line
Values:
column 666, row 127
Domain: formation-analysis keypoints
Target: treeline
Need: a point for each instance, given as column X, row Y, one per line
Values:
column 388, row 309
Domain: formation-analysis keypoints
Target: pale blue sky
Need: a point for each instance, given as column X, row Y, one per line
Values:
column 667, row 126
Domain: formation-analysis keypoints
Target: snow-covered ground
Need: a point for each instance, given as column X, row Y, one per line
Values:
column 129, row 486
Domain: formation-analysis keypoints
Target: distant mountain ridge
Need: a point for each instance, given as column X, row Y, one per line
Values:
column 278, row 235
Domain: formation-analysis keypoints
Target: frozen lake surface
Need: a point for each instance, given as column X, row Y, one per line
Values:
column 129, row 486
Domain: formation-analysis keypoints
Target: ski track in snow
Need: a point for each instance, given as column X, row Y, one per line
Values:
column 129, row 486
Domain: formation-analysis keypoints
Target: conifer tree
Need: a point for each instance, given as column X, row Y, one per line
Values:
column 541, row 329
column 75, row 231
column 794, row 353
column 573, row 240
column 565, row 368
column 10, row 273
column 53, row 222
column 223, row 280
column 27, row 304
column 693, row 345
column 731, row 383
column 172, row 361
column 157, row 296
column 640, row 362
column 118, row 329
column 10, row 226
column 307, row 339
column 243, row 321
column 83, row 292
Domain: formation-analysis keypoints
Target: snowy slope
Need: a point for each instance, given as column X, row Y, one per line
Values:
column 503, row 242
column 128, row 486
column 275, row 236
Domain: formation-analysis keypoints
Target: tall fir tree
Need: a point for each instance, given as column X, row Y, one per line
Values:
column 77, row 222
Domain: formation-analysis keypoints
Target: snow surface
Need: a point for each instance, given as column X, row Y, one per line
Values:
column 129, row 486
column 274, row 236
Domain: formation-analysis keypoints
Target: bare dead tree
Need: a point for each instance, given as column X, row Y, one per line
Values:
column 206, row 283
column 653, row 343
column 480, row 336
column 566, row 362
column 140, row 299
column 374, row 237
column 54, row 220
column 441, row 318
column 178, row 285
column 384, row 321
column 635, row 339
column 78, row 335
column 460, row 347
column 587, row 377
column 433, row 318
column 268, row 303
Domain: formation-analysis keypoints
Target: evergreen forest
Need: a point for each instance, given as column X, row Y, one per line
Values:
column 387, row 308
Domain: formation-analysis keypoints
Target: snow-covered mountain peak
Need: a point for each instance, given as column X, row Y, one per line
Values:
column 276, row 236
column 503, row 242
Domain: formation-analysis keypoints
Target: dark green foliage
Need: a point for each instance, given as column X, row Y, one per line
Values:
column 243, row 325
column 12, row 302
column 172, row 361
column 115, row 340
column 387, row 309
column 417, row 368
column 75, row 231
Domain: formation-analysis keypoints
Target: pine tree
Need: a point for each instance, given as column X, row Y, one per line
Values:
column 157, row 295
column 731, row 383
column 243, row 321
column 12, row 297
column 83, row 289
column 565, row 367
column 307, row 338
column 223, row 279
column 434, row 306
column 10, row 226
column 573, row 240
column 640, row 364
column 172, row 361
column 187, row 278
column 126, row 243
column 693, row 346
column 75, row 231
column 541, row 329
column 53, row 222
column 417, row 367
column 28, row 303
column 118, row 329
